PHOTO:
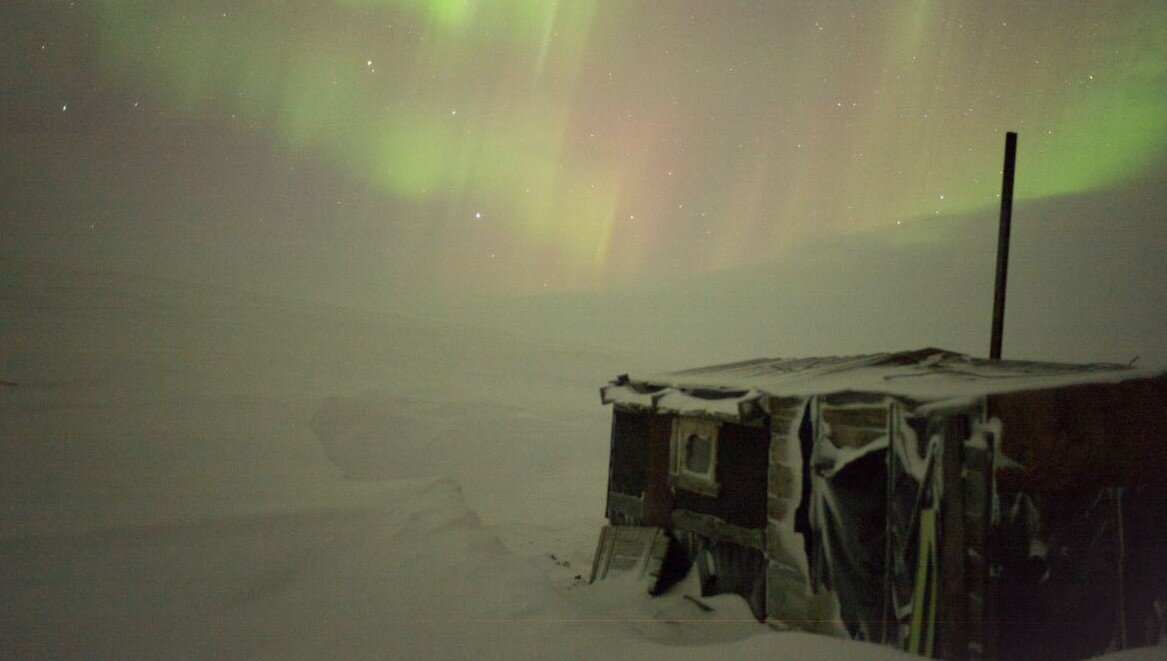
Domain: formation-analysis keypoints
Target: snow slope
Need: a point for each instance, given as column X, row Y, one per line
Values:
column 193, row 472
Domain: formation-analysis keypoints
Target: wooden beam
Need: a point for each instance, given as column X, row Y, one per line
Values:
column 953, row 625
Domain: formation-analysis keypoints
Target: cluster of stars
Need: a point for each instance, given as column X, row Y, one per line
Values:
column 804, row 116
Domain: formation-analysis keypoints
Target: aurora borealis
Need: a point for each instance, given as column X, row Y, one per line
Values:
column 305, row 305
column 520, row 145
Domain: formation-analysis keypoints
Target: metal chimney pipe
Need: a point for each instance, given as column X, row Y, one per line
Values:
column 1003, row 245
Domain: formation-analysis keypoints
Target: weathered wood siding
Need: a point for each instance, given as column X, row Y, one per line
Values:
column 952, row 627
column 658, row 496
column 1084, row 437
column 627, row 465
column 977, row 496
column 629, row 456
column 1059, row 582
column 742, row 457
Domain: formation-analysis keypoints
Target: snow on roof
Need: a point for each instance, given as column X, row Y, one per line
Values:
column 924, row 375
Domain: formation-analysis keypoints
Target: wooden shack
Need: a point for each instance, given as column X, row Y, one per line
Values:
column 952, row 506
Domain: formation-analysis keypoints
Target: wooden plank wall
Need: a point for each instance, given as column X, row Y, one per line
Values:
column 628, row 460
column 1084, row 437
column 741, row 477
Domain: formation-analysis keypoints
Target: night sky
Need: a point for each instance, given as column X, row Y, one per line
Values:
column 380, row 149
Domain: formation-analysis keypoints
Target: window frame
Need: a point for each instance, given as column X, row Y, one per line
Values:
column 680, row 475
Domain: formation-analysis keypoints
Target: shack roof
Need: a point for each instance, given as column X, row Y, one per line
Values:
column 924, row 375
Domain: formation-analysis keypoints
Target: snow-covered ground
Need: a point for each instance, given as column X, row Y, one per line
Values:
column 194, row 472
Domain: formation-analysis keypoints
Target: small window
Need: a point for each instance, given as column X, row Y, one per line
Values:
column 694, row 451
column 698, row 451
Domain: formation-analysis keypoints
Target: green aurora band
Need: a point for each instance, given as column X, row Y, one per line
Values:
column 595, row 145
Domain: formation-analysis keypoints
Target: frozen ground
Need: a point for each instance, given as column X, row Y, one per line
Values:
column 190, row 472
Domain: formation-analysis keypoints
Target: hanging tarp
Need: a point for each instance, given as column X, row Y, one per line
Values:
column 848, row 509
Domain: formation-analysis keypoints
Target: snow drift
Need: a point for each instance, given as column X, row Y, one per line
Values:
column 193, row 472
